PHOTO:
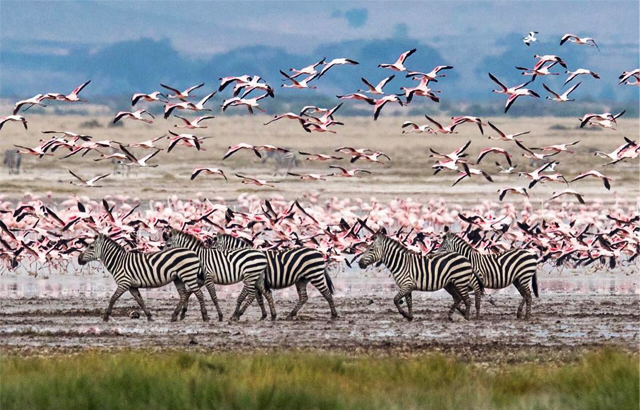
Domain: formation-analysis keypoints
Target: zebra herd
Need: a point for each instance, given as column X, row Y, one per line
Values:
column 190, row 264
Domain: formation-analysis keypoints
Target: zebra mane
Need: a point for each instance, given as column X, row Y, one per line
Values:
column 394, row 242
column 227, row 237
column 190, row 238
column 452, row 237
column 106, row 239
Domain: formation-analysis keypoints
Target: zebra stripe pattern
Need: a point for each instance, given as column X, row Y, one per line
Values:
column 413, row 271
column 226, row 267
column 299, row 267
column 132, row 271
column 283, row 160
column 517, row 267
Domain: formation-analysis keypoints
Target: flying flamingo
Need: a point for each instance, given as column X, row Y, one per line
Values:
column 471, row 171
column 309, row 177
column 594, row 174
column 154, row 96
column 148, row 144
column 520, row 191
column 600, row 117
column 578, row 40
column 142, row 162
column 225, row 81
column 193, row 124
column 533, row 155
column 335, row 62
column 467, row 118
column 357, row 96
column 378, row 88
column 399, row 64
column 136, row 115
column 626, row 75
column 298, row 85
column 431, row 75
column 235, row 148
column 415, row 128
column 308, row 70
column 580, row 71
column 8, row 118
column 288, row 115
column 442, row 130
column 494, row 150
column 182, row 95
column 503, row 89
column 35, row 100
column 250, row 103
column 503, row 136
column 564, row 97
column 530, row 38
column 319, row 157
column 519, row 93
column 349, row 173
column 71, row 97
column 568, row 192
column 257, row 182
column 209, row 171
column 90, row 182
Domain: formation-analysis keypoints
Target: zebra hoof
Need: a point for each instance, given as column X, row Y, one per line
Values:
column 289, row 317
column 273, row 318
column 205, row 318
column 220, row 318
column 409, row 318
column 174, row 318
column 263, row 317
column 105, row 318
column 149, row 318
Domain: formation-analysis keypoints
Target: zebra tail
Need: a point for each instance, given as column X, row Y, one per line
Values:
column 267, row 282
column 480, row 282
column 534, row 284
column 327, row 278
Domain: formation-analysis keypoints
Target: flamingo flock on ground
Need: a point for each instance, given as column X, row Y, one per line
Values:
column 43, row 232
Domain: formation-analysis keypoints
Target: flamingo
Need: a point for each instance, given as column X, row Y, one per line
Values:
column 578, row 40
column 442, row 130
column 535, row 71
column 594, row 174
column 357, row 96
column 148, row 144
column 564, row 97
column 519, row 93
column 504, row 89
column 533, row 155
column 503, row 136
column 142, row 162
column 209, row 171
column 415, row 128
column 71, row 97
column 321, row 127
column 471, row 171
column 467, row 118
column 580, row 71
column 626, row 75
column 235, row 148
column 335, row 62
column 607, row 123
column 319, row 157
column 136, row 115
column 193, row 124
column 225, row 81
column 90, row 182
column 381, row 102
column 288, row 115
column 549, row 58
column 182, row 95
column 70, row 134
column 298, row 85
column 154, row 96
column 530, row 38
column 559, row 147
column 348, row 173
column 494, row 150
column 9, row 118
column 189, row 140
column 39, row 151
column 250, row 103
column 378, row 88
column 257, row 182
column 600, row 117
column 399, row 64
column 535, row 175
column 504, row 170
column 507, row 190
column 308, row 70
column 309, row 177
column 35, row 100
column 431, row 75
column 578, row 196
column 254, row 84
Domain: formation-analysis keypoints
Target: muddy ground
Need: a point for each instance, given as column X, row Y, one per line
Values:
column 566, row 321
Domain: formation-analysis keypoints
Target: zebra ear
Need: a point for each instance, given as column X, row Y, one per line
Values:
column 446, row 229
column 382, row 231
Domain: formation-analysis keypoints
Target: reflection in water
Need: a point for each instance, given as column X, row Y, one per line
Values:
column 61, row 286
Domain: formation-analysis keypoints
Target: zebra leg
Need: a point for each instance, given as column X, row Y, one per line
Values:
column 478, row 296
column 116, row 295
column 522, row 302
column 261, row 304
column 208, row 283
column 269, row 296
column 138, row 297
column 409, row 301
column 183, row 299
column 183, row 313
column 451, row 289
column 203, row 306
column 301, row 287
column 525, row 291
column 250, row 295
column 243, row 295
column 401, row 294
column 326, row 293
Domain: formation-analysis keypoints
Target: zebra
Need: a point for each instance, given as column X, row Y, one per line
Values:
column 412, row 271
column 132, row 270
column 225, row 268
column 284, row 160
column 297, row 266
column 516, row 266
column 12, row 160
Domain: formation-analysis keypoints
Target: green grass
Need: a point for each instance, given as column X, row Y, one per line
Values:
column 145, row 380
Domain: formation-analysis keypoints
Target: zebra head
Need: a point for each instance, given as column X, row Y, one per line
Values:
column 174, row 238
column 93, row 251
column 374, row 253
column 448, row 242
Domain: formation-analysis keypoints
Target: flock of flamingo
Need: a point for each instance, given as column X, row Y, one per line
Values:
column 36, row 230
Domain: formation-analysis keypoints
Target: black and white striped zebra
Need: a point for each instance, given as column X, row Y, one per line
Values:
column 12, row 160
column 226, row 267
column 132, row 271
column 283, row 160
column 499, row 270
column 413, row 271
column 299, row 267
